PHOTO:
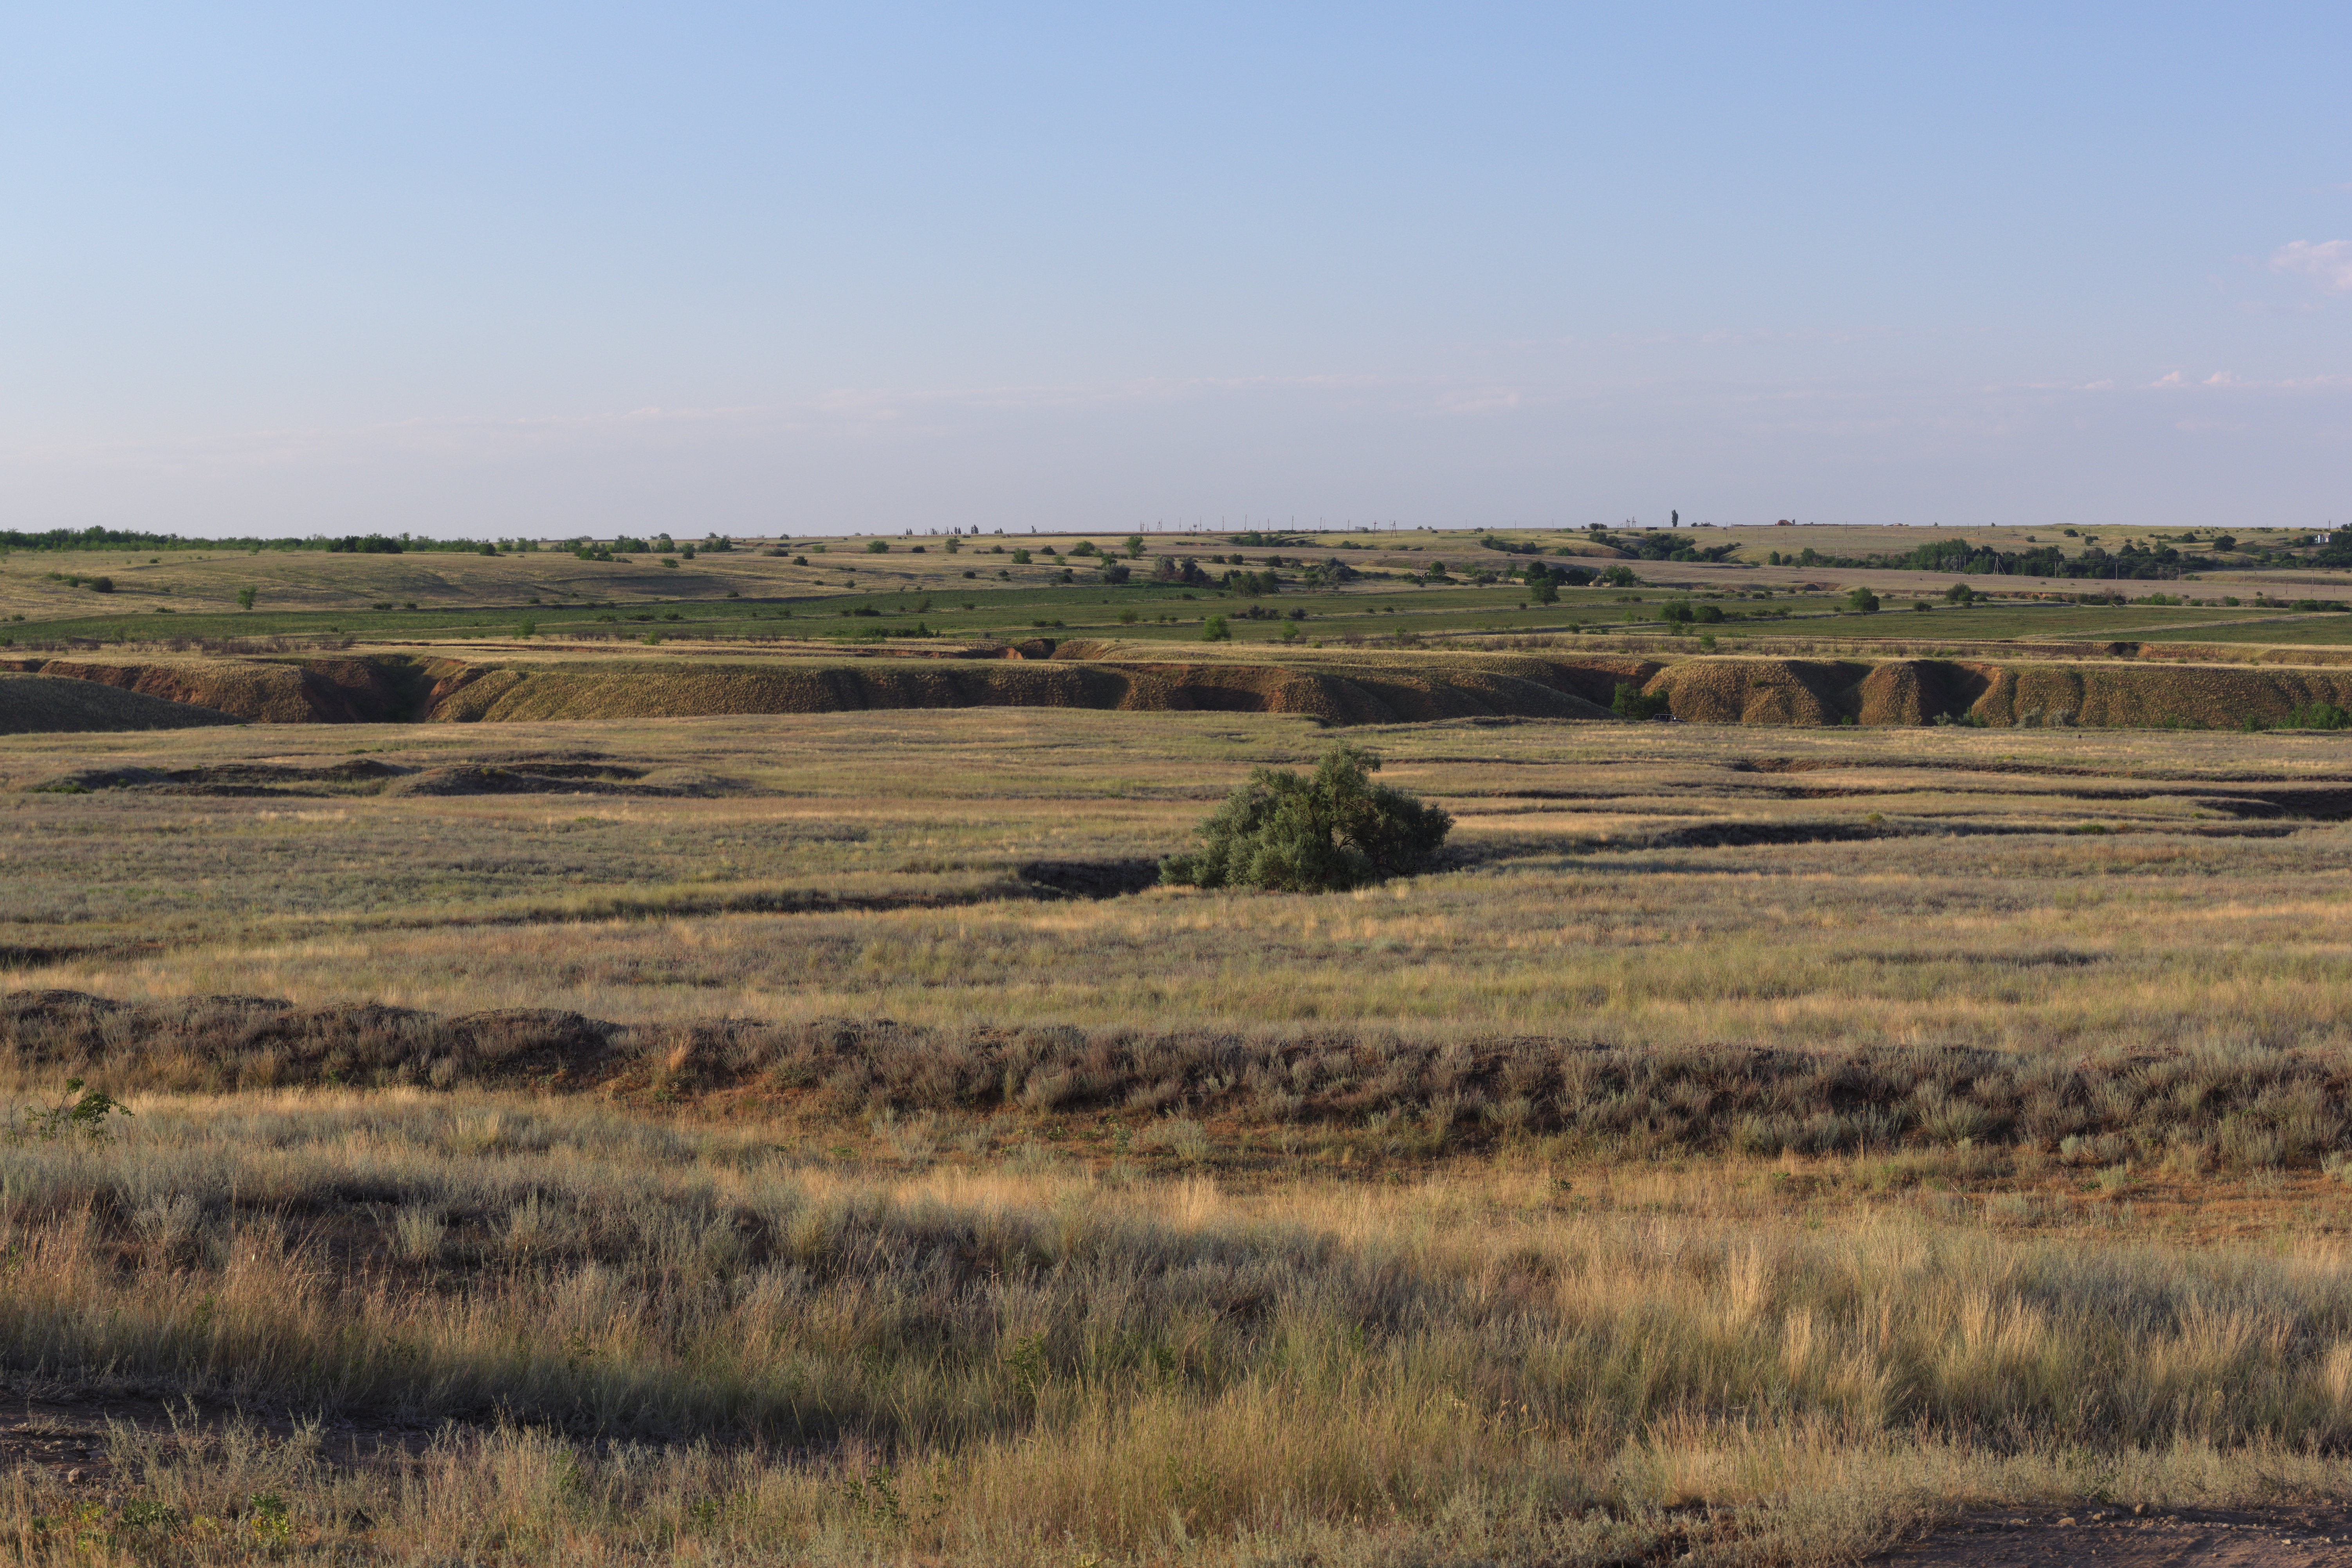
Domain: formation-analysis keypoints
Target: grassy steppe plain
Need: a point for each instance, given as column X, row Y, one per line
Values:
column 797, row 1306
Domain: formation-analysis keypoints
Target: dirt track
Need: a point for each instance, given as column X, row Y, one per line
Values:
column 2289, row 1537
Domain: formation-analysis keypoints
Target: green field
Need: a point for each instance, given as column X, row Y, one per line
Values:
column 191, row 594
column 1171, row 614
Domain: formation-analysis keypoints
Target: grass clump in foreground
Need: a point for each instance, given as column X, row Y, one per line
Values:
column 649, row 1340
column 1334, row 830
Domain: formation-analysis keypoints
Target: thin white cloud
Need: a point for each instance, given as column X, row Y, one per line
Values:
column 2328, row 263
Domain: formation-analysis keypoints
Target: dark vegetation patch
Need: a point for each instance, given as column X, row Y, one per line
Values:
column 479, row 779
column 31, row 954
column 2055, row 959
column 359, row 775
column 1092, row 879
column 2321, row 805
column 2247, row 1108
column 367, row 776
column 250, row 1042
column 1944, row 764
column 1740, row 835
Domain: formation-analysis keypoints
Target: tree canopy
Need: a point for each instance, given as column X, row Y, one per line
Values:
column 1333, row 829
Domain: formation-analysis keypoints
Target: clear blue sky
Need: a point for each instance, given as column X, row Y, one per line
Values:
column 501, row 269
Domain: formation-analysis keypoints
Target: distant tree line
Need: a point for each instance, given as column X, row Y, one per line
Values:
column 97, row 538
column 2134, row 560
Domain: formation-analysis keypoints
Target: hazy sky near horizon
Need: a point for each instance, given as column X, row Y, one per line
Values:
column 495, row 269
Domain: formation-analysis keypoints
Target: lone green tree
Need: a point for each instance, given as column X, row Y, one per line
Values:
column 1335, row 829
column 244, row 599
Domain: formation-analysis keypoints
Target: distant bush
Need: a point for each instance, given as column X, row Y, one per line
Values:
column 1215, row 630
column 101, row 585
column 877, row 546
column 1631, row 703
column 1862, row 601
column 2317, row 715
column 1334, row 830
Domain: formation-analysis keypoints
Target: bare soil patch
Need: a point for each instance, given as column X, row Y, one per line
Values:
column 2292, row 1537
column 62, row 1429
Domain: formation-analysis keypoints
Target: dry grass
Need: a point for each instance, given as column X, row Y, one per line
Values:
column 880, row 1250
column 649, row 1340
column 1615, row 884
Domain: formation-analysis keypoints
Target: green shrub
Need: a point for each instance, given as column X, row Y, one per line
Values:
column 1629, row 702
column 1215, row 630
column 1334, row 830
column 2318, row 716
column 80, row 1112
column 876, row 547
